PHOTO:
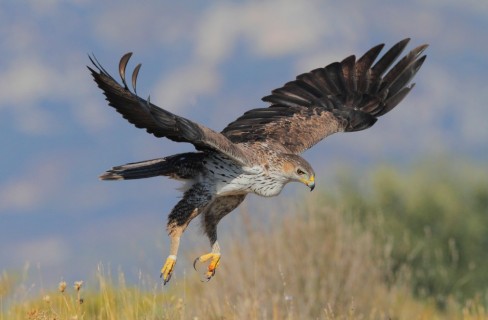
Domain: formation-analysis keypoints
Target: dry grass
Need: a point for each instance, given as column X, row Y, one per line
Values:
column 315, row 263
column 312, row 265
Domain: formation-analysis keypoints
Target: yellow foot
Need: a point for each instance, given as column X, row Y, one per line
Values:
column 167, row 269
column 214, row 263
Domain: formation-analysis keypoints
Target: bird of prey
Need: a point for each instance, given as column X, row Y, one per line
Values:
column 260, row 151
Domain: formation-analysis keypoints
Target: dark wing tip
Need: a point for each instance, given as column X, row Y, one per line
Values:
column 123, row 65
column 135, row 73
column 389, row 57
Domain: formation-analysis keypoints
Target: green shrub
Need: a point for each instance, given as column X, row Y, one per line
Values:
column 434, row 215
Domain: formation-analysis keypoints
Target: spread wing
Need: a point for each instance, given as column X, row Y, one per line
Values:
column 159, row 122
column 344, row 96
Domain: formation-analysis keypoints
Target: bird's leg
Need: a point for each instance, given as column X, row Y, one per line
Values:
column 175, row 231
column 167, row 269
column 193, row 202
column 211, row 218
column 213, row 257
column 219, row 208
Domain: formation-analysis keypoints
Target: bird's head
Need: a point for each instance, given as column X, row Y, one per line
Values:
column 298, row 169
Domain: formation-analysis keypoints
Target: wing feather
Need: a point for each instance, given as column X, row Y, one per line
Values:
column 343, row 96
column 157, row 121
column 363, row 66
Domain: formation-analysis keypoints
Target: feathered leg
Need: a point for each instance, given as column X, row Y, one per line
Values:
column 218, row 209
column 192, row 204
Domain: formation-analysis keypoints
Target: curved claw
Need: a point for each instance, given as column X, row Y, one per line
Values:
column 195, row 263
column 122, row 65
column 165, row 280
column 212, row 267
column 167, row 269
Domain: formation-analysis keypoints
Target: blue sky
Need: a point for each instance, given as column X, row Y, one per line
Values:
column 209, row 62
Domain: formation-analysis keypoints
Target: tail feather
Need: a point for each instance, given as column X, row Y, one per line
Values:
column 136, row 170
column 180, row 166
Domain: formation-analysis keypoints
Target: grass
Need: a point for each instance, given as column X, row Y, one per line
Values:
column 436, row 218
column 358, row 254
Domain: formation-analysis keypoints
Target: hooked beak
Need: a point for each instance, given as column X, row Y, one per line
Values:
column 310, row 183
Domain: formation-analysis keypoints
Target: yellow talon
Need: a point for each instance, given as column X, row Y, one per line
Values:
column 167, row 269
column 214, row 263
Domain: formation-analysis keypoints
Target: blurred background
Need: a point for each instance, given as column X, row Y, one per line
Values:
column 209, row 61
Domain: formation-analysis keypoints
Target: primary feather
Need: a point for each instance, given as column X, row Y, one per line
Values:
column 343, row 96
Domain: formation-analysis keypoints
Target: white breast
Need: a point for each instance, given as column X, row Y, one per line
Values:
column 229, row 178
column 260, row 183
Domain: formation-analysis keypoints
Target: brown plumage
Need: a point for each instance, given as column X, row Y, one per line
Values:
column 343, row 96
column 259, row 152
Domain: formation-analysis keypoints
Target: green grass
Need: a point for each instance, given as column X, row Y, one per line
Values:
column 391, row 245
column 436, row 218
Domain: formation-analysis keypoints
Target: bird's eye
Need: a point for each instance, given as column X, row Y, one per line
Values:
column 300, row 172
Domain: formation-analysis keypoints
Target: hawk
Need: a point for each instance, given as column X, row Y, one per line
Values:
column 260, row 151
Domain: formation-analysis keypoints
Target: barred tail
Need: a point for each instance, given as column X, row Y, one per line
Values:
column 179, row 166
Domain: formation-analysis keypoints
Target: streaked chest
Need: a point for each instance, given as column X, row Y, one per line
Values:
column 228, row 178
